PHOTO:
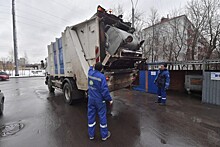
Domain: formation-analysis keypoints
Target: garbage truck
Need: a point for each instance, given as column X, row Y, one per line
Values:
column 104, row 38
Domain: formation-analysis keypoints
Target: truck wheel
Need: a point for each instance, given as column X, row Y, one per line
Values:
column 71, row 93
column 49, row 84
column 1, row 106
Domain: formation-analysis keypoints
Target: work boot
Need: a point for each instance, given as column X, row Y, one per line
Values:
column 104, row 139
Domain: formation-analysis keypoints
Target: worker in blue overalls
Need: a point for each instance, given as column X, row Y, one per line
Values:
column 98, row 94
column 163, row 82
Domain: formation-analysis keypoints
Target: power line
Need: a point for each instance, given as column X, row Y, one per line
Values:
column 31, row 25
column 40, row 17
column 4, row 18
column 23, row 12
column 5, row 46
column 32, row 20
column 4, row 21
column 61, row 4
column 70, row 2
column 5, row 12
column 37, row 21
column 45, row 12
column 5, row 6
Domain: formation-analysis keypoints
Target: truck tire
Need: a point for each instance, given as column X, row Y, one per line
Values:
column 71, row 92
column 49, row 84
column 1, row 106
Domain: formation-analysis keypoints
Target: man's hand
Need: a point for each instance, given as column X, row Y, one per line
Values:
column 111, row 102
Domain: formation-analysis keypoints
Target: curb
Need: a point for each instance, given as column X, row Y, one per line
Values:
column 25, row 77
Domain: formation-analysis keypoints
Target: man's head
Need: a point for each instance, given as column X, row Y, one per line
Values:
column 163, row 66
column 98, row 66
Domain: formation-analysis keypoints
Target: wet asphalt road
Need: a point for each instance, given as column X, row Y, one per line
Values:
column 136, row 120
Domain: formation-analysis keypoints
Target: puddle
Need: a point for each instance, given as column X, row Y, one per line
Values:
column 10, row 129
column 41, row 93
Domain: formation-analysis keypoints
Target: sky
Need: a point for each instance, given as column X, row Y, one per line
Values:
column 39, row 22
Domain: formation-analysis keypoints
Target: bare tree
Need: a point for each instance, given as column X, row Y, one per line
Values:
column 205, row 16
column 197, row 15
column 179, row 27
column 1, row 65
column 167, row 43
column 26, row 57
column 151, row 35
column 118, row 10
column 218, row 48
column 11, row 61
column 11, row 55
column 212, row 30
column 153, row 17
column 168, row 37
column 4, row 63
column 139, row 22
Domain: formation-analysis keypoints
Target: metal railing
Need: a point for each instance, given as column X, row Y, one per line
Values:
column 210, row 64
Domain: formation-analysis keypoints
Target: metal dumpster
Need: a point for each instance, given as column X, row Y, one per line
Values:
column 152, row 88
column 193, row 83
column 146, row 81
column 142, row 81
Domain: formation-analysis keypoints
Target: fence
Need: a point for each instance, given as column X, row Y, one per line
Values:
column 211, row 87
column 180, row 71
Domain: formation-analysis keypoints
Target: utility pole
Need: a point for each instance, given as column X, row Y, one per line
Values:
column 133, row 17
column 132, row 13
column 152, row 50
column 15, row 39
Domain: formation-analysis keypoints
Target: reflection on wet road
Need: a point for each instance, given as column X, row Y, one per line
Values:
column 35, row 118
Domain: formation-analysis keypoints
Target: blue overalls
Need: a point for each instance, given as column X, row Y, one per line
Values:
column 98, row 93
column 163, row 82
